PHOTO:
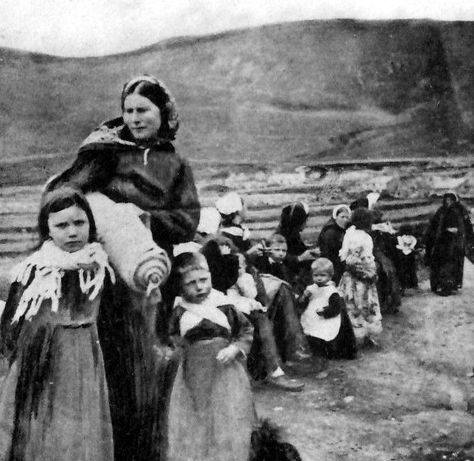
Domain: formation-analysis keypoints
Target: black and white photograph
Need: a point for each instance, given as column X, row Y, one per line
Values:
column 236, row 230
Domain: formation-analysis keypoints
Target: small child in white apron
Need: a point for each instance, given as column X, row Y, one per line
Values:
column 325, row 322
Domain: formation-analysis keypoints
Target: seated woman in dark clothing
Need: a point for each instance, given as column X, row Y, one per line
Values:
column 331, row 237
column 449, row 233
column 293, row 220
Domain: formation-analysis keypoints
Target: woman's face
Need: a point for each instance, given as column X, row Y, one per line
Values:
column 142, row 117
column 449, row 201
column 69, row 228
column 342, row 219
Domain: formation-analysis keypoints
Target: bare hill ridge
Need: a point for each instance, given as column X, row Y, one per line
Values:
column 295, row 92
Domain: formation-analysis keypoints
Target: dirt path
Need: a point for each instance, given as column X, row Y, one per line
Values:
column 405, row 402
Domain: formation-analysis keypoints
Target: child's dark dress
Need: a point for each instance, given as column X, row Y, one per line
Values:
column 54, row 402
column 211, row 411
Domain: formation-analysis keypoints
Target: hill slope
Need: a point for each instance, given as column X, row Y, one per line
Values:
column 295, row 92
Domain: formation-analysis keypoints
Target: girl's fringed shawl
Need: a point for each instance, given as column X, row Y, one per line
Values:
column 49, row 264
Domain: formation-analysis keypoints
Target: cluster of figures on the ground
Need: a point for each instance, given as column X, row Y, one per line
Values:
column 138, row 327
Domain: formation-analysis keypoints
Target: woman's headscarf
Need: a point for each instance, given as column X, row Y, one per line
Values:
column 293, row 217
column 339, row 208
column 155, row 90
column 291, row 221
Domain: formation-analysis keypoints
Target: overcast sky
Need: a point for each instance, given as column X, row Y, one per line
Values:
column 98, row 27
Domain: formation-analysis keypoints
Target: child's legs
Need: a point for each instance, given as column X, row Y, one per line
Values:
column 263, row 358
column 286, row 325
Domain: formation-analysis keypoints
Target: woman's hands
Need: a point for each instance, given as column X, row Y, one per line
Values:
column 228, row 354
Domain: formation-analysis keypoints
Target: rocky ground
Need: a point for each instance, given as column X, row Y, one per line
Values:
column 411, row 400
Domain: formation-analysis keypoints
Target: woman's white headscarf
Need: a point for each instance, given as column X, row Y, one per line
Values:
column 337, row 210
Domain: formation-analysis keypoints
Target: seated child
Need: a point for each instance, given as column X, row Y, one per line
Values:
column 211, row 411
column 275, row 260
column 264, row 360
column 325, row 321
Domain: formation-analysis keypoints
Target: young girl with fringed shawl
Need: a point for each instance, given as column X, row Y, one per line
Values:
column 358, row 283
column 54, row 401
column 211, row 411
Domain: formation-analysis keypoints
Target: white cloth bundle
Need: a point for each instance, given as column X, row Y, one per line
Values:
column 121, row 228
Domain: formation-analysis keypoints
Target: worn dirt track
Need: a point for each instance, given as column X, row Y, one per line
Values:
column 407, row 401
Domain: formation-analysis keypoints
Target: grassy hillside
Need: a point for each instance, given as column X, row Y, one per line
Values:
column 296, row 92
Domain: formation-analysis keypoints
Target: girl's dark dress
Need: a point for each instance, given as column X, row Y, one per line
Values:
column 54, row 402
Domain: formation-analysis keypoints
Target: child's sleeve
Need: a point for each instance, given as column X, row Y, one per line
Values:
column 334, row 307
column 174, row 331
column 10, row 332
column 242, row 330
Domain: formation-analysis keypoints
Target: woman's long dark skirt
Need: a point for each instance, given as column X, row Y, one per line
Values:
column 139, row 379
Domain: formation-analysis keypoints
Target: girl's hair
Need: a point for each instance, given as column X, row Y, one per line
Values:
column 292, row 218
column 362, row 219
column 58, row 200
column 323, row 265
column 155, row 91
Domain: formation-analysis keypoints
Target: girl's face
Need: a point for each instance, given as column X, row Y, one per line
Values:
column 321, row 278
column 196, row 285
column 342, row 219
column 69, row 228
column 142, row 117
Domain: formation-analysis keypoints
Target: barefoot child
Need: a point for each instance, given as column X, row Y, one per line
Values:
column 54, row 401
column 211, row 412
column 325, row 321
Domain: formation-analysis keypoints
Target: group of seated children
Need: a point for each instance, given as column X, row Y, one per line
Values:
column 273, row 303
column 289, row 292
column 274, row 288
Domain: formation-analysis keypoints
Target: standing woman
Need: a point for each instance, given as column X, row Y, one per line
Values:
column 448, row 235
column 131, row 159
column 331, row 237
